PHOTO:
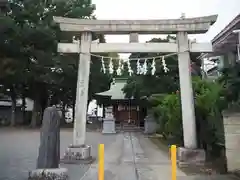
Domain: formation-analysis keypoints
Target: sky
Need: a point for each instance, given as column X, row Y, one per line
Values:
column 167, row 9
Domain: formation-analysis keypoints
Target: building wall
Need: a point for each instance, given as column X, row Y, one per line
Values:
column 229, row 59
column 232, row 140
column 6, row 113
column 225, row 60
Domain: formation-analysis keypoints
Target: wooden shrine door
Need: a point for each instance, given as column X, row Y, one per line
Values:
column 128, row 115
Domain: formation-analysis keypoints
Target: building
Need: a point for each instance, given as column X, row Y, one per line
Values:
column 226, row 54
column 6, row 111
column 128, row 113
column 212, row 68
column 225, row 46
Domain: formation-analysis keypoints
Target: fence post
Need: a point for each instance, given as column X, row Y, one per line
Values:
column 101, row 162
column 174, row 161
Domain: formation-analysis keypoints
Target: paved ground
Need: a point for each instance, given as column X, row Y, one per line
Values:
column 19, row 149
column 134, row 157
column 128, row 156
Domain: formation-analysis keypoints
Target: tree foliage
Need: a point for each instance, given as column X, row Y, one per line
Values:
column 230, row 78
column 208, row 107
column 146, row 85
column 30, row 63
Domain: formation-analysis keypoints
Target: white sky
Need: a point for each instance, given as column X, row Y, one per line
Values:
column 166, row 9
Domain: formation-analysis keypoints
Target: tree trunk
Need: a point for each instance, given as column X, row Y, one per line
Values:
column 13, row 114
column 36, row 112
column 73, row 108
column 23, row 108
column 73, row 103
column 63, row 120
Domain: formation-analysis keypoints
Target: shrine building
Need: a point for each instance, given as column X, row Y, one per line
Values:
column 129, row 113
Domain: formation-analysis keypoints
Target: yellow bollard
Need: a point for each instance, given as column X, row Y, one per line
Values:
column 101, row 162
column 174, row 161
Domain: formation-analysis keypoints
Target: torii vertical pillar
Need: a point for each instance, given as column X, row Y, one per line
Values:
column 79, row 131
column 79, row 151
column 187, row 103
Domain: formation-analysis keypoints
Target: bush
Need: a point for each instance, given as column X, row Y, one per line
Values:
column 209, row 104
column 168, row 115
column 231, row 80
column 208, row 107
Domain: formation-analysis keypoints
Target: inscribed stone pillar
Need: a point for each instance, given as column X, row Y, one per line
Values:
column 49, row 149
column 79, row 132
column 188, row 112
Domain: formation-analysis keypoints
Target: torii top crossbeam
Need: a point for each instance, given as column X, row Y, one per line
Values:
column 165, row 26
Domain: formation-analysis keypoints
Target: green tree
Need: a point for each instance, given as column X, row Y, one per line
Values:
column 161, row 82
column 231, row 80
column 29, row 51
column 208, row 107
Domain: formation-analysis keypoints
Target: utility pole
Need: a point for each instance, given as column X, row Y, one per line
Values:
column 238, row 45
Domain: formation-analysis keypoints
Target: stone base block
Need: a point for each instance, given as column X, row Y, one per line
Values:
column 188, row 157
column 236, row 173
column 150, row 127
column 49, row 174
column 77, row 155
column 108, row 126
column 109, row 132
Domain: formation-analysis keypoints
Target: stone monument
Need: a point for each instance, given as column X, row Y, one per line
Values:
column 150, row 125
column 108, row 121
column 49, row 149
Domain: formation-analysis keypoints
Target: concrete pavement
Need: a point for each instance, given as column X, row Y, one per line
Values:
column 19, row 150
column 128, row 156
column 133, row 157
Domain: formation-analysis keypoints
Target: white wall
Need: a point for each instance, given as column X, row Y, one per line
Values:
column 232, row 140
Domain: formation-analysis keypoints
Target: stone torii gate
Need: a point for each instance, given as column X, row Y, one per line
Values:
column 181, row 27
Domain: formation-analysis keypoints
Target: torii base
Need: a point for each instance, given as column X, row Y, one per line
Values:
column 187, row 157
column 77, row 155
column 56, row 173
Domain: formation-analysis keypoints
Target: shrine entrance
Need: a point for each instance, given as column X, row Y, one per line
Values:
column 181, row 47
column 128, row 116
